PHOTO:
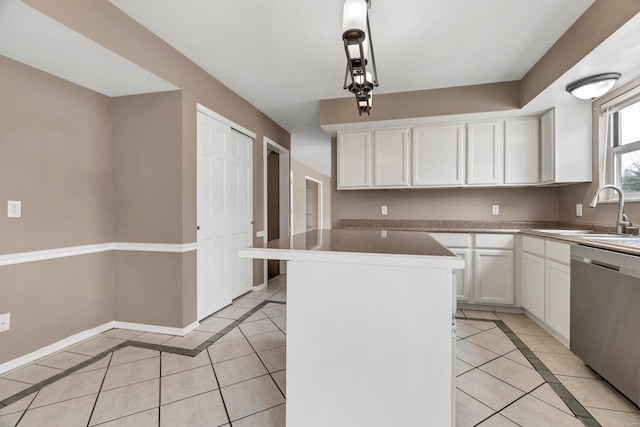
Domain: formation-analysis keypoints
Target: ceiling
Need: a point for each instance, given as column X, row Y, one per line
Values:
column 283, row 56
column 35, row 39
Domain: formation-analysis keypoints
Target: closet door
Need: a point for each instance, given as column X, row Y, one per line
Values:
column 224, row 214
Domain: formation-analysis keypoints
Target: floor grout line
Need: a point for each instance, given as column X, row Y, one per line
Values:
column 578, row 410
column 95, row 403
column 131, row 343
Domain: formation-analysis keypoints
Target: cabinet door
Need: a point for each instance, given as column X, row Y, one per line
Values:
column 484, row 153
column 438, row 155
column 462, row 275
column 521, row 151
column 354, row 160
column 547, row 148
column 391, row 158
column 493, row 276
column 558, row 281
column 533, row 278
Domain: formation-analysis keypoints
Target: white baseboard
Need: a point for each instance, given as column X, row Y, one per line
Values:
column 167, row 330
column 259, row 287
column 89, row 333
column 57, row 346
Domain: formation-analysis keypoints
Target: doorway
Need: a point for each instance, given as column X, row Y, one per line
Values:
column 313, row 204
column 277, row 209
column 273, row 207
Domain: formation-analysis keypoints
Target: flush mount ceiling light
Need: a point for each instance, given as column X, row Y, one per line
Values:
column 361, row 62
column 593, row 86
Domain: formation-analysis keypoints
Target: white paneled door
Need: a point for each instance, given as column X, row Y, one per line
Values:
column 224, row 214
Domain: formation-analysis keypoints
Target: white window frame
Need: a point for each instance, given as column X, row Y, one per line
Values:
column 612, row 153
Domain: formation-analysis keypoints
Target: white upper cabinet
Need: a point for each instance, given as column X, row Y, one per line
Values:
column 391, row 158
column 438, row 155
column 521, row 151
column 485, row 142
column 354, row 160
column 555, row 148
column 565, row 138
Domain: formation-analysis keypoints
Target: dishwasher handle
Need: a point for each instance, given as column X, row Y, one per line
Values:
column 604, row 265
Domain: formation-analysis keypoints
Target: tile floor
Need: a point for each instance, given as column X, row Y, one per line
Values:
column 237, row 376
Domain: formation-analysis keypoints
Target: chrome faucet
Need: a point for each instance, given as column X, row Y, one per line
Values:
column 622, row 218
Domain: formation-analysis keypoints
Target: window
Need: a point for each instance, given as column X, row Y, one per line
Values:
column 625, row 149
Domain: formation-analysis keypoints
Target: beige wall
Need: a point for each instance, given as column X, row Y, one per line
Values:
column 97, row 21
column 148, row 288
column 300, row 172
column 59, row 149
column 425, row 103
column 516, row 204
column 147, row 147
column 54, row 299
column 55, row 157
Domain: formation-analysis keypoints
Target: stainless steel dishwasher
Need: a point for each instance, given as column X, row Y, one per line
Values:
column 605, row 315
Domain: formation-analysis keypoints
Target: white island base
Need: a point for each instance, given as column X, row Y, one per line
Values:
column 369, row 335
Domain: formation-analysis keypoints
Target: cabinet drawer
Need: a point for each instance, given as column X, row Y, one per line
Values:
column 498, row 241
column 453, row 240
column 558, row 251
column 533, row 245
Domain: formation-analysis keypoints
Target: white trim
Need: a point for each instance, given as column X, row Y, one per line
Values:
column 90, row 333
column 23, row 257
column 55, row 347
column 223, row 119
column 166, row 330
column 320, row 197
column 155, row 247
column 259, row 287
column 285, row 203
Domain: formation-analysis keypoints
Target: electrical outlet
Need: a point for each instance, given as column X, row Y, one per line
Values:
column 5, row 322
column 578, row 209
column 383, row 209
column 495, row 210
column 383, row 233
column 14, row 209
column 260, row 233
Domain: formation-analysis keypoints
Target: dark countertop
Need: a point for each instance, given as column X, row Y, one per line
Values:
column 622, row 245
column 530, row 228
column 358, row 246
column 461, row 226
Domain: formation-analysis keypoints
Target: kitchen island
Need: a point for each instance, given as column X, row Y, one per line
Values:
column 369, row 328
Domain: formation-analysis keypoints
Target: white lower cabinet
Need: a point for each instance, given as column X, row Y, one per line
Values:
column 533, row 284
column 558, row 288
column 462, row 278
column 489, row 262
column 493, row 276
column 546, row 283
column 459, row 244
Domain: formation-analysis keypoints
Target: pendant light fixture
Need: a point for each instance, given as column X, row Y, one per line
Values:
column 361, row 76
column 593, row 86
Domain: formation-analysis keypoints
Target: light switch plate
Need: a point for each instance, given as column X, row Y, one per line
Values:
column 14, row 209
column 5, row 322
column 578, row 209
column 383, row 209
column 495, row 210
